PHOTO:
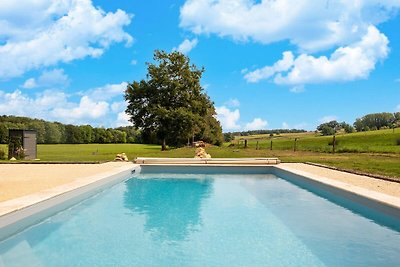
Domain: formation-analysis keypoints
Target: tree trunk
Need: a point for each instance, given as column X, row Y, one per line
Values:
column 164, row 146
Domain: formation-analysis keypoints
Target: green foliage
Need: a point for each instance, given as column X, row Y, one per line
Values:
column 327, row 130
column 56, row 133
column 171, row 103
column 2, row 154
column 376, row 121
column 347, row 127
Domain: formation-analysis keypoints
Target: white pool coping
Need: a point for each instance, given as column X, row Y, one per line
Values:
column 19, row 213
column 216, row 161
column 381, row 199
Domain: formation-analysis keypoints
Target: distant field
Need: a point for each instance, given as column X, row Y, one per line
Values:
column 372, row 152
column 382, row 141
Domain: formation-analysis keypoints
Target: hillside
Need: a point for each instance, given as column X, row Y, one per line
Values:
column 379, row 141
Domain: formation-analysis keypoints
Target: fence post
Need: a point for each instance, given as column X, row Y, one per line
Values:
column 257, row 146
column 334, row 144
column 245, row 143
column 270, row 146
column 295, row 144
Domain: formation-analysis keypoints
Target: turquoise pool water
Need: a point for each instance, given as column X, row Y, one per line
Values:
column 158, row 219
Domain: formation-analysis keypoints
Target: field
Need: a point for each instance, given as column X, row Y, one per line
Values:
column 374, row 152
column 382, row 141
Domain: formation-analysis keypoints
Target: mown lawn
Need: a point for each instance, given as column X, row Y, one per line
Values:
column 386, row 162
column 382, row 141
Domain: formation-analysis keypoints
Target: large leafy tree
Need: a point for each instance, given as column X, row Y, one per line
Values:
column 171, row 103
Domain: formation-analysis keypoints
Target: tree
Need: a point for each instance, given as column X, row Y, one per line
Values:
column 171, row 102
column 329, row 128
column 347, row 127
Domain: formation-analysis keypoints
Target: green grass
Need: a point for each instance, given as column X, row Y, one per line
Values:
column 373, row 152
column 382, row 141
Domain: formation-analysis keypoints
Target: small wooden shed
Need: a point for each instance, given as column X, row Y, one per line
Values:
column 22, row 139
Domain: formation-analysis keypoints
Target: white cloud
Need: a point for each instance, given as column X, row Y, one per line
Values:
column 134, row 62
column 347, row 63
column 233, row 103
column 328, row 119
column 123, row 119
column 92, row 107
column 285, row 125
column 107, row 91
column 44, row 33
column 297, row 89
column 346, row 27
column 228, row 118
column 310, row 25
column 256, row 124
column 86, row 109
column 186, row 46
column 51, row 78
column 398, row 107
column 264, row 73
column 29, row 83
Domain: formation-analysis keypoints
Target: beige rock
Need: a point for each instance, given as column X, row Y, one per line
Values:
column 121, row 157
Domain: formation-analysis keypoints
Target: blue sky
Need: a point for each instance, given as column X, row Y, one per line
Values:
column 269, row 64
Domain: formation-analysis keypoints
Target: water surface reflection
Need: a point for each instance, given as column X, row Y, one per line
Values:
column 172, row 206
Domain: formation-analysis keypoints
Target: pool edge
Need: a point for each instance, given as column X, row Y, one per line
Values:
column 20, row 213
column 379, row 201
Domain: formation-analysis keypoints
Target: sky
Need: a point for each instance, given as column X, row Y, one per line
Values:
column 268, row 64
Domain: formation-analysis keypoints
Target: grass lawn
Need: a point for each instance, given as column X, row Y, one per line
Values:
column 382, row 141
column 375, row 152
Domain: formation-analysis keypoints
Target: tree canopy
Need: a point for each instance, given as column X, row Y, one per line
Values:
column 171, row 104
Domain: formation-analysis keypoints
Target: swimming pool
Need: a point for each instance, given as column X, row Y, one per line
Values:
column 209, row 217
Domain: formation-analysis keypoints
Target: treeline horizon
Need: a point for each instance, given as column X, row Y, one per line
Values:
column 58, row 133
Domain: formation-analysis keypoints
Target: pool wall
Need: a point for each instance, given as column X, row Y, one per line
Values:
column 19, row 219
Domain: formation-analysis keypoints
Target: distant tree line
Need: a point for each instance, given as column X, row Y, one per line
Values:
column 373, row 121
column 228, row 136
column 58, row 133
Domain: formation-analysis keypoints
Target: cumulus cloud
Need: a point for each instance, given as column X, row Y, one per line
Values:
column 107, row 91
column 266, row 72
column 233, row 102
column 256, row 124
column 123, row 119
column 186, row 46
column 44, row 33
column 285, row 125
column 310, row 25
column 94, row 106
column 297, row 89
column 29, row 83
column 398, row 108
column 346, row 27
column 328, row 119
column 347, row 63
column 228, row 118
column 51, row 78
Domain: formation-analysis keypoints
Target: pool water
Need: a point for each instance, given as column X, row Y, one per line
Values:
column 205, row 220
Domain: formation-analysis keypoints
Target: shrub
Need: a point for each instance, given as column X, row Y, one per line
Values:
column 2, row 154
column 398, row 141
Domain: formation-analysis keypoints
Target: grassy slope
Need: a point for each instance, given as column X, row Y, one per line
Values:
column 384, row 160
column 383, row 141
